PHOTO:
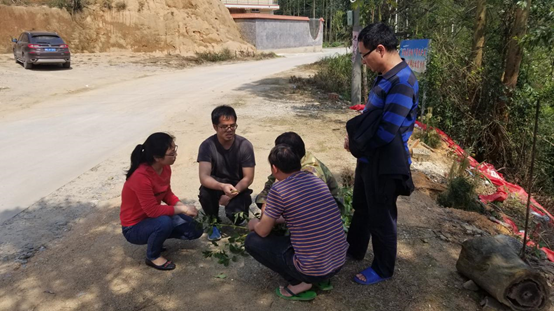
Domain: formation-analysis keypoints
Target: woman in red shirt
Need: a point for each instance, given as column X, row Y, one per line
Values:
column 144, row 219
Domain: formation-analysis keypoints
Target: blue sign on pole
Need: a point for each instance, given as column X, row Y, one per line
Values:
column 415, row 53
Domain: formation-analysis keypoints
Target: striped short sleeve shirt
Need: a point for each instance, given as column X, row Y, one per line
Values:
column 397, row 93
column 313, row 219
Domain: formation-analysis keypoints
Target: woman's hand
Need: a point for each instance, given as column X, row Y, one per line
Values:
column 189, row 210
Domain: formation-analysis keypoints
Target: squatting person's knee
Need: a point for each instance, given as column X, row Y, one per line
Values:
column 252, row 242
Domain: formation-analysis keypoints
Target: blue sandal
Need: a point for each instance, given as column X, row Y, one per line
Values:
column 371, row 277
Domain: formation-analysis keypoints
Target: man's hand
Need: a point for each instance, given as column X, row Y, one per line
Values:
column 252, row 223
column 229, row 190
column 346, row 143
column 224, row 200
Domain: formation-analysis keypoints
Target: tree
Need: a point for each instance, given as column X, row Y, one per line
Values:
column 477, row 51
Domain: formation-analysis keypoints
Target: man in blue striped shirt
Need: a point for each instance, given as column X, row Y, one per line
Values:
column 395, row 92
column 316, row 247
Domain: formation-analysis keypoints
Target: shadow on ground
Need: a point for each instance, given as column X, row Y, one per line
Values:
column 93, row 268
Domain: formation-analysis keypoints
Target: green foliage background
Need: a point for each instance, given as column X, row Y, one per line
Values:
column 468, row 118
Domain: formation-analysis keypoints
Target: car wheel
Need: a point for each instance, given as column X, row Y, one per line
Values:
column 66, row 65
column 27, row 65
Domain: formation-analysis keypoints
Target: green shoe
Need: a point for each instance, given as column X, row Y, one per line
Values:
column 303, row 296
column 324, row 286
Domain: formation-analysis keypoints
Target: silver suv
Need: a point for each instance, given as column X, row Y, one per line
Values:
column 37, row 47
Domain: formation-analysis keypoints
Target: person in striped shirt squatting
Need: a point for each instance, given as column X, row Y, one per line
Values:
column 395, row 92
column 316, row 248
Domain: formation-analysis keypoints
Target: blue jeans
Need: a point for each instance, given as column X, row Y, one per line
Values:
column 154, row 232
column 276, row 253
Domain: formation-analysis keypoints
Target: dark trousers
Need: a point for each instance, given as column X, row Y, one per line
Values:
column 154, row 232
column 276, row 253
column 375, row 214
column 209, row 199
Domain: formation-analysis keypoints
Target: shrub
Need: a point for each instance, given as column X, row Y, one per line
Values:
column 334, row 74
column 120, row 6
column 461, row 194
column 70, row 6
column 106, row 4
column 213, row 57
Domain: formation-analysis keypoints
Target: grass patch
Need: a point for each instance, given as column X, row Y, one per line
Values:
column 334, row 75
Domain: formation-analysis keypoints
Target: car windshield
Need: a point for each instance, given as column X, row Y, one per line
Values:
column 55, row 40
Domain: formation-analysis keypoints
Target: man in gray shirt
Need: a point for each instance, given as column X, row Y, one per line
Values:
column 226, row 170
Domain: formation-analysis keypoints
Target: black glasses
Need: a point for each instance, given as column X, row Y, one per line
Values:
column 174, row 154
column 366, row 54
column 228, row 127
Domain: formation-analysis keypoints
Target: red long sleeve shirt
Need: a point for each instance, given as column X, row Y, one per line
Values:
column 143, row 193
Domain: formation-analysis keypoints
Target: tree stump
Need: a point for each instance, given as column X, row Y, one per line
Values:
column 494, row 265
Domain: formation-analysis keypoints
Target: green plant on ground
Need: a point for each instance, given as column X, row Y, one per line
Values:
column 233, row 247
column 348, row 212
column 460, row 192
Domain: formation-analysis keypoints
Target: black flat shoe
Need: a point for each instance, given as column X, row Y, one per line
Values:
column 168, row 265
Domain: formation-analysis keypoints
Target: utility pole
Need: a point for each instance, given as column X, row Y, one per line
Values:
column 356, row 91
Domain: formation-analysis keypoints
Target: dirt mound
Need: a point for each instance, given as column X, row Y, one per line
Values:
column 167, row 26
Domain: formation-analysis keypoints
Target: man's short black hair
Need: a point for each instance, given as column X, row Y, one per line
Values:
column 223, row 111
column 294, row 141
column 378, row 33
column 284, row 159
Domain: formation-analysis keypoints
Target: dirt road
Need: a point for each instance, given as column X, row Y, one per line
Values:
column 60, row 138
column 66, row 251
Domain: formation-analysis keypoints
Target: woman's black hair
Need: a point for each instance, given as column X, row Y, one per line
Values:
column 294, row 141
column 286, row 160
column 155, row 146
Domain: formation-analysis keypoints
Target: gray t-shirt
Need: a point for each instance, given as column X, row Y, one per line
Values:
column 227, row 164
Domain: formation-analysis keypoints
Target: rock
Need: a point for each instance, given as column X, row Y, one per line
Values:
column 513, row 243
column 424, row 241
column 421, row 154
column 470, row 285
column 333, row 96
column 21, row 261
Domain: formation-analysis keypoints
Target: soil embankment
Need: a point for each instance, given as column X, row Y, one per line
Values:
column 166, row 26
